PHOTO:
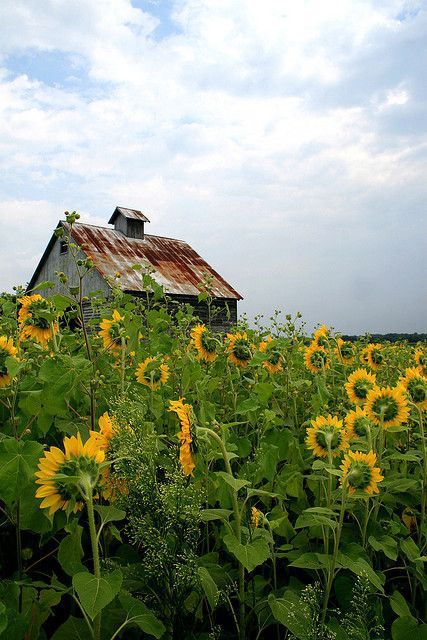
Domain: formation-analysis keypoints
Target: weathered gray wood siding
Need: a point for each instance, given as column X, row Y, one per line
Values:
column 57, row 261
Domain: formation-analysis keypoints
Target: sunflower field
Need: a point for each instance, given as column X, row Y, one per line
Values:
column 161, row 480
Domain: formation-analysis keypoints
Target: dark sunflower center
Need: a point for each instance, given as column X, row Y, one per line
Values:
column 422, row 359
column 361, row 426
column 376, row 356
column 76, row 467
column 386, row 406
column 241, row 350
column 41, row 315
column 318, row 359
column 153, row 373
column 274, row 358
column 347, row 351
column 322, row 341
column 417, row 390
column 3, row 368
column 359, row 475
column 208, row 342
column 115, row 333
column 328, row 437
column 361, row 388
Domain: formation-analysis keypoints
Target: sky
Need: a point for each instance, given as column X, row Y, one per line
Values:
column 285, row 140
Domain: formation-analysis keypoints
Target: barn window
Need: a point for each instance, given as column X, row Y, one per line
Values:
column 63, row 247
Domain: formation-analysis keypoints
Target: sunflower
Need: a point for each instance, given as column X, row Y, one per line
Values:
column 316, row 358
column 152, row 372
column 358, row 384
column 421, row 360
column 185, row 453
column 357, row 423
column 374, row 356
column 112, row 332
column 274, row 362
column 239, row 348
column 205, row 343
column 364, row 358
column 36, row 319
column 415, row 385
column 327, row 435
column 321, row 336
column 107, row 430
column 409, row 519
column 387, row 406
column 360, row 472
column 344, row 351
column 7, row 350
column 255, row 517
column 79, row 461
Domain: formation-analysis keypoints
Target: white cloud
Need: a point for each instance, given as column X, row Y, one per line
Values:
column 255, row 124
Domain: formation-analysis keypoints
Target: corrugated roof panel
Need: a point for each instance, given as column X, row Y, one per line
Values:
column 177, row 267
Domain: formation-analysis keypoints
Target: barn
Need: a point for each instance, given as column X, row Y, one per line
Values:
column 116, row 250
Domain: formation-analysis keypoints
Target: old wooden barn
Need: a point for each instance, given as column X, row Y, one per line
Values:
column 115, row 250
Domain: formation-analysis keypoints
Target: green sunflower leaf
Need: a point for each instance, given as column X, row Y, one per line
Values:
column 250, row 555
column 18, row 464
column 95, row 593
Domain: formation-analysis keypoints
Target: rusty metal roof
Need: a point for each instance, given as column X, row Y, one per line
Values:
column 134, row 214
column 177, row 267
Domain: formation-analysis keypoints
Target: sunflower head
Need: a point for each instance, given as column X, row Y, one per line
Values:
column 316, row 358
column 7, row 350
column 358, row 385
column 387, row 406
column 36, row 319
column 415, row 386
column 327, row 437
column 409, row 519
column 321, row 336
column 255, row 517
column 364, row 356
column 108, row 428
column 153, row 372
column 420, row 358
column 374, row 356
column 359, row 472
column 344, row 351
column 273, row 364
column 357, row 424
column 183, row 412
column 205, row 343
column 64, row 475
column 112, row 331
column 239, row 349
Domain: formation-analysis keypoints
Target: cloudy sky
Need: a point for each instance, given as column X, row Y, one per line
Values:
column 285, row 140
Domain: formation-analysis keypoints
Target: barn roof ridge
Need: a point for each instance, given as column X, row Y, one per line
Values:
column 151, row 235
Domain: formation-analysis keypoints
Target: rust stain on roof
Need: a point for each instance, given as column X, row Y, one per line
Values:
column 177, row 267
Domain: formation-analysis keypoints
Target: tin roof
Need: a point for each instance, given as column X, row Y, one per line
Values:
column 134, row 214
column 177, row 267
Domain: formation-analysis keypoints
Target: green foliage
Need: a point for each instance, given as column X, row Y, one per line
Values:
column 260, row 541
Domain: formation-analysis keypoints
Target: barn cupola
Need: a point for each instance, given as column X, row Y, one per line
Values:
column 130, row 222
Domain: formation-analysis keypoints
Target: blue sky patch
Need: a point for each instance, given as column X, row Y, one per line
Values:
column 162, row 10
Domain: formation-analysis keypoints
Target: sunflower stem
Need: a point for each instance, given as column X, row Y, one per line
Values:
column 237, row 528
column 380, row 447
column 424, row 479
column 54, row 340
column 331, row 572
column 95, row 552
column 123, row 366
